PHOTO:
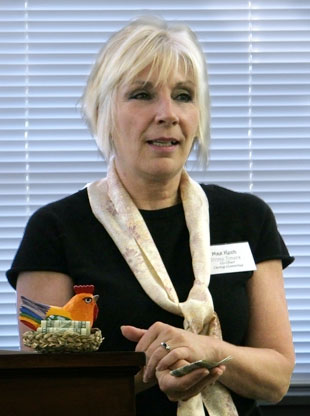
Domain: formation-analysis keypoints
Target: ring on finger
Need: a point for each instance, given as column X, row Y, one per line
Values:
column 166, row 346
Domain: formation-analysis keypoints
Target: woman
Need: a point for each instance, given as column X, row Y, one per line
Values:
column 142, row 236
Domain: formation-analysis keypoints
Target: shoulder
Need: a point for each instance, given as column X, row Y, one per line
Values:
column 226, row 199
column 240, row 216
column 74, row 201
column 73, row 206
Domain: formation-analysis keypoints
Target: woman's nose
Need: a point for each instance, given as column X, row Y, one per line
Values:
column 166, row 112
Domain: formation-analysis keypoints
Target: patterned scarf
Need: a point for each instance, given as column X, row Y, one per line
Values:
column 113, row 207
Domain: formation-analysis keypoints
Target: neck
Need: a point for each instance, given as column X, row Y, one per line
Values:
column 155, row 197
column 151, row 194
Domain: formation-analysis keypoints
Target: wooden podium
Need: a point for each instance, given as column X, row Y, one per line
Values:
column 81, row 384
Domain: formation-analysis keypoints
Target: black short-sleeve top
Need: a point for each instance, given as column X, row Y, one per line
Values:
column 65, row 237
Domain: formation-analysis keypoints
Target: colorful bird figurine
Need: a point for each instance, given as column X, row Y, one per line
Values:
column 81, row 307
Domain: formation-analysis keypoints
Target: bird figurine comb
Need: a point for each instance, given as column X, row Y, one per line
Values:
column 60, row 324
column 84, row 289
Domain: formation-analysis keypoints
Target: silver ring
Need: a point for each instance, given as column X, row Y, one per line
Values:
column 165, row 345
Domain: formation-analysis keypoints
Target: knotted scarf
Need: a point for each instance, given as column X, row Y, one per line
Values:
column 115, row 210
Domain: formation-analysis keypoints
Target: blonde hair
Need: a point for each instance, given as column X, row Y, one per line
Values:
column 146, row 41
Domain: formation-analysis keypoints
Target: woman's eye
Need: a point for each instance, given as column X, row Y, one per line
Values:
column 140, row 96
column 184, row 97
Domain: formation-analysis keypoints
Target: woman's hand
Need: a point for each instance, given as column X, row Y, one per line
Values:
column 185, row 387
column 185, row 347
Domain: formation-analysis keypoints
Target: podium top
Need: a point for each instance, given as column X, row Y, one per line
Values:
column 107, row 359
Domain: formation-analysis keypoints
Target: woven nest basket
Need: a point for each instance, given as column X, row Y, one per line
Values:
column 65, row 341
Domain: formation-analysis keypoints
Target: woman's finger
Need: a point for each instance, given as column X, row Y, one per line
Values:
column 152, row 363
column 174, row 356
column 197, row 388
column 172, row 359
column 132, row 333
column 157, row 333
column 183, row 388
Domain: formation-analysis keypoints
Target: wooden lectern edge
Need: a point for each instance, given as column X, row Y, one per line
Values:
column 91, row 381
column 108, row 359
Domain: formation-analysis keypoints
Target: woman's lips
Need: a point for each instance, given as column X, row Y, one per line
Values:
column 163, row 142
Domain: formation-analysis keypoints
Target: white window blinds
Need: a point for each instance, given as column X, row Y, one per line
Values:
column 258, row 56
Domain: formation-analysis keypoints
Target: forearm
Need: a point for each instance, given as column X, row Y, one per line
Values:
column 262, row 370
column 257, row 373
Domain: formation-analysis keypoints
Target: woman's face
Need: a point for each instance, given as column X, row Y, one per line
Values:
column 155, row 126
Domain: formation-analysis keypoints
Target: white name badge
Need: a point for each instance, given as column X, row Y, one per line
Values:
column 231, row 258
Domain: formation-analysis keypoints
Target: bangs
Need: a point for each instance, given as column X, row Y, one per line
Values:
column 163, row 61
column 167, row 63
